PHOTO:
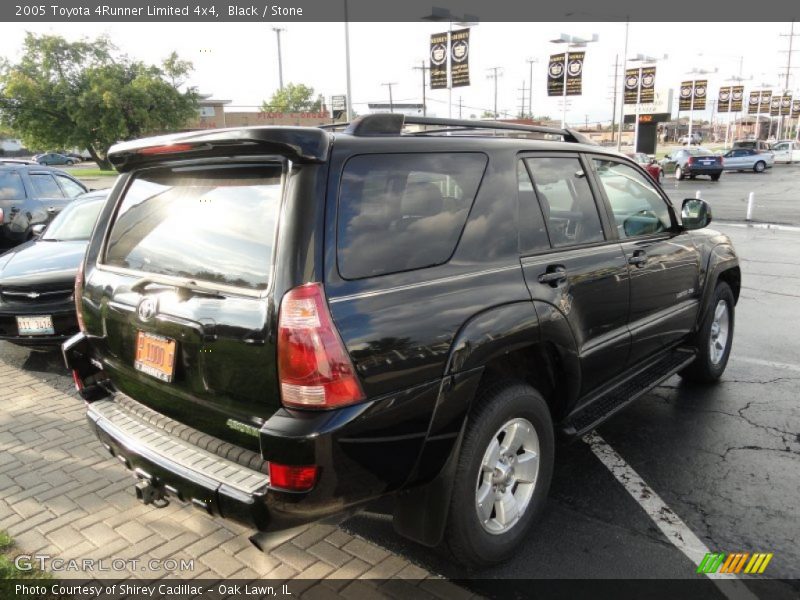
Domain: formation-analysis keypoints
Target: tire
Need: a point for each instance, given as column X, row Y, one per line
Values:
column 70, row 163
column 500, row 408
column 760, row 166
column 710, row 363
column 678, row 173
column 716, row 177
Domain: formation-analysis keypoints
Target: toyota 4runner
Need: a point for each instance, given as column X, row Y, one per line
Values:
column 279, row 324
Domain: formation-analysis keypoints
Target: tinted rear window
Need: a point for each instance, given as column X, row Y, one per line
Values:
column 399, row 212
column 213, row 224
column 11, row 187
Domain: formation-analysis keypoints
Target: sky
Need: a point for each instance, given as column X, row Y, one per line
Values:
column 238, row 61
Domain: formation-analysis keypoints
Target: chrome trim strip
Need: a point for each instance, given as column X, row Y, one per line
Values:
column 411, row 286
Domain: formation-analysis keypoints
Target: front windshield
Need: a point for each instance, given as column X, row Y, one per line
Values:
column 75, row 222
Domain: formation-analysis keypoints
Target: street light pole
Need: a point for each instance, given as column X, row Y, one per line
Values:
column 530, row 86
column 622, row 93
column 572, row 41
column 349, row 103
column 278, row 31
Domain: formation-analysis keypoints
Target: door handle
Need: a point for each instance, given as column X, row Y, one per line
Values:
column 638, row 259
column 51, row 209
column 554, row 275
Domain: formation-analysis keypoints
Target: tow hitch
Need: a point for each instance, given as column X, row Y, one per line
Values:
column 148, row 493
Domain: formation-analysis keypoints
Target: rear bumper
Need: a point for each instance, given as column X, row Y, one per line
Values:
column 699, row 170
column 180, row 470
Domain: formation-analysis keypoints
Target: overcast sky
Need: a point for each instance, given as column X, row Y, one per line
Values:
column 238, row 61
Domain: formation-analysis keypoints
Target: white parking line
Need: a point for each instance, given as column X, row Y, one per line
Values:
column 670, row 524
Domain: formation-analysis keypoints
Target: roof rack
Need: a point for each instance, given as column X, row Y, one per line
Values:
column 381, row 124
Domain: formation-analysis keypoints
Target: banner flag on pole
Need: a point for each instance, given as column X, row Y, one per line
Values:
column 459, row 57
column 724, row 100
column 575, row 73
column 647, row 81
column 754, row 103
column 737, row 96
column 699, row 96
column 555, row 75
column 438, row 68
column 685, row 102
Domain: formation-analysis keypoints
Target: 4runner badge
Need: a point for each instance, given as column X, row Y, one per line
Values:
column 242, row 427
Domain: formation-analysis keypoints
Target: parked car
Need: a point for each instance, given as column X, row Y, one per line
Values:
column 748, row 159
column 53, row 158
column 691, row 162
column 752, row 144
column 649, row 164
column 29, row 195
column 431, row 310
column 695, row 138
column 37, row 278
column 786, row 151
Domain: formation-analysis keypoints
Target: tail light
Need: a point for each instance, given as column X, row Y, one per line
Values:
column 2, row 216
column 76, row 378
column 292, row 478
column 690, row 161
column 77, row 293
column 314, row 368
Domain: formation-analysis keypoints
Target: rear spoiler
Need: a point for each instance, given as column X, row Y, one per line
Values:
column 300, row 144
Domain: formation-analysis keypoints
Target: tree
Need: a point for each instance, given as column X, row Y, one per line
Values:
column 293, row 98
column 85, row 94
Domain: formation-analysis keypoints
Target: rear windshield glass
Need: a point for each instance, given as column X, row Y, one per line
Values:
column 213, row 224
column 403, row 211
column 700, row 152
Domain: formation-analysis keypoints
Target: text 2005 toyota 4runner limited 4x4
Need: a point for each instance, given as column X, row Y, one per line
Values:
column 279, row 324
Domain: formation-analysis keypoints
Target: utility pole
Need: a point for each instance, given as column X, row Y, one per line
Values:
column 391, row 103
column 459, row 107
column 278, row 31
column 614, row 101
column 349, row 104
column 791, row 35
column 530, row 62
column 522, row 101
column 494, row 76
column 424, row 70
column 622, row 92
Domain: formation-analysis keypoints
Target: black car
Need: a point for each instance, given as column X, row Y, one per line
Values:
column 30, row 195
column 281, row 323
column 691, row 162
column 37, row 278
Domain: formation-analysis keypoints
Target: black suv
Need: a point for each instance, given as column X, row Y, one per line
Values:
column 30, row 195
column 282, row 323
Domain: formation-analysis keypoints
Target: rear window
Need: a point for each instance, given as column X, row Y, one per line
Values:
column 213, row 224
column 700, row 152
column 399, row 212
column 45, row 186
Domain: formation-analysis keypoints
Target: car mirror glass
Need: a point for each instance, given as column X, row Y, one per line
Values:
column 695, row 213
column 38, row 229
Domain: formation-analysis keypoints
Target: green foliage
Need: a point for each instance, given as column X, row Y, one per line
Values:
column 7, row 568
column 85, row 94
column 294, row 98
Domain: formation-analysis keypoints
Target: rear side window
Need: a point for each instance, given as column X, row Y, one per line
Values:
column 399, row 212
column 214, row 224
column 11, row 187
column 45, row 186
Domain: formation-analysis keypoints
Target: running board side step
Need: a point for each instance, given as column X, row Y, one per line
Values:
column 621, row 393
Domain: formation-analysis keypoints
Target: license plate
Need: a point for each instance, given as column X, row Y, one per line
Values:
column 155, row 355
column 38, row 325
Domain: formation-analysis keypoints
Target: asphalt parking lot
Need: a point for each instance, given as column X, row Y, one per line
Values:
column 724, row 459
column 776, row 197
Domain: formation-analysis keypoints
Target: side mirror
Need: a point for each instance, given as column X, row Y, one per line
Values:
column 666, row 156
column 38, row 229
column 695, row 213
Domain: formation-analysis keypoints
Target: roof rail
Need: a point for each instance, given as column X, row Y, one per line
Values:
column 393, row 124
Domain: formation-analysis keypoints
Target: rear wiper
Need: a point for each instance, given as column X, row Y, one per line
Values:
column 185, row 290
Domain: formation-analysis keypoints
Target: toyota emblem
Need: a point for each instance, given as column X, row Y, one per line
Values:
column 147, row 309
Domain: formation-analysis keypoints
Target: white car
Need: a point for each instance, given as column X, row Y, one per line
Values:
column 786, row 151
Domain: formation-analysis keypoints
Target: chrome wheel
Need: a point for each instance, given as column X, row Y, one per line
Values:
column 507, row 476
column 720, row 330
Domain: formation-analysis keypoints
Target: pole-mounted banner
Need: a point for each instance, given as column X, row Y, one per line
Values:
column 438, row 69
column 632, row 79
column 647, row 81
column 685, row 100
column 786, row 105
column 459, row 57
column 737, row 97
column 575, row 73
column 766, row 102
column 555, row 75
column 795, row 108
column 699, row 95
column 754, row 103
column 724, row 99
